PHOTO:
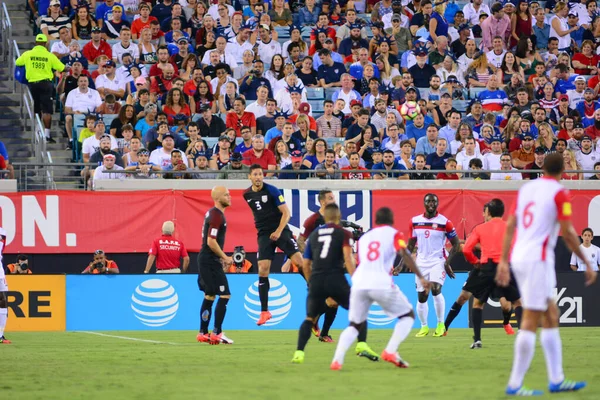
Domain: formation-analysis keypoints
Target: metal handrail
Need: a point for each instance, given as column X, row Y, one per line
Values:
column 6, row 33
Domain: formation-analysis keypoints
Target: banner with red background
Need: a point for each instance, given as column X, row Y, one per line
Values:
column 127, row 222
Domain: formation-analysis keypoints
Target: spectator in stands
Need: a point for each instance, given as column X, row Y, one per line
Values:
column 586, row 156
column 235, row 169
column 449, row 131
column 468, row 153
column 296, row 165
column 148, row 121
column 419, row 166
column 505, row 165
column 291, row 142
column 497, row 24
column 277, row 130
column 389, row 163
column 427, row 144
column 105, row 147
column 491, row 160
column 267, row 121
column 596, row 176
column 525, row 155
column 240, row 44
column 101, row 265
column 240, row 117
column 593, row 130
column 327, row 168
column 126, row 116
column 354, row 164
column 54, row 20
column 349, row 148
column 209, row 124
column 161, row 84
column 254, row 80
column 202, row 170
column 178, row 164
column 111, row 27
column 163, row 63
column 421, row 71
column 355, row 40
column 450, row 167
column 81, row 100
column 346, row 92
column 109, row 83
column 162, row 155
column 96, row 47
column 108, row 164
column 267, row 46
column 309, row 14
column 143, row 22
column 61, row 48
column 260, row 155
column 330, row 72
column 259, row 107
column 393, row 141
column 327, row 125
column 220, row 157
column 492, row 98
column 437, row 160
column 537, row 164
column 355, row 130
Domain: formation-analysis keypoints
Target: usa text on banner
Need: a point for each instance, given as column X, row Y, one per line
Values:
column 169, row 302
column 36, row 303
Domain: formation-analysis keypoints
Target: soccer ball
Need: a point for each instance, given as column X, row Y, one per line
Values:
column 409, row 110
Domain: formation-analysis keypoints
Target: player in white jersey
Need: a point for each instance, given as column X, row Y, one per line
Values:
column 429, row 232
column 372, row 282
column 591, row 252
column 542, row 209
column 3, row 290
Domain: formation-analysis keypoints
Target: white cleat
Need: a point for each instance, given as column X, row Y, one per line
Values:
column 225, row 339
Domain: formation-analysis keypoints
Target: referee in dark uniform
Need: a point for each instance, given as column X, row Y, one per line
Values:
column 40, row 65
column 271, row 217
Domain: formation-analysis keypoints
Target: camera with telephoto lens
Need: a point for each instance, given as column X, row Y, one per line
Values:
column 98, row 265
column 357, row 230
column 238, row 256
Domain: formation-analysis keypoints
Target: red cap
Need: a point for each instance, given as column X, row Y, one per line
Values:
column 304, row 108
column 563, row 96
column 355, row 103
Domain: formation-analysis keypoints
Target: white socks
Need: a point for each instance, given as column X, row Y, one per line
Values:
column 47, row 133
column 524, row 350
column 552, row 346
column 401, row 331
column 346, row 339
column 422, row 312
column 3, row 316
column 440, row 307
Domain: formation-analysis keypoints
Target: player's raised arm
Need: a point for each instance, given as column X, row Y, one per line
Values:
column 503, row 272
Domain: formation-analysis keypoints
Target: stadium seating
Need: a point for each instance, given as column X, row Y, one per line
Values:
column 315, row 93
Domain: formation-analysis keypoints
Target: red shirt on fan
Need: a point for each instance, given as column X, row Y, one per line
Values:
column 355, row 175
column 236, row 122
column 168, row 252
column 266, row 158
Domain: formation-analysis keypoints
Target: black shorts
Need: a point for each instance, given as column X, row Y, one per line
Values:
column 42, row 92
column 286, row 243
column 322, row 287
column 481, row 283
column 212, row 280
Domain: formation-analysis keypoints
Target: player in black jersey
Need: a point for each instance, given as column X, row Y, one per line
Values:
column 211, row 260
column 271, row 216
column 327, row 251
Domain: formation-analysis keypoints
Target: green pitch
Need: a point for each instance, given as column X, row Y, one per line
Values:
column 70, row 365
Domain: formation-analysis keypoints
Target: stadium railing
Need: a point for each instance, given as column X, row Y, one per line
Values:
column 6, row 32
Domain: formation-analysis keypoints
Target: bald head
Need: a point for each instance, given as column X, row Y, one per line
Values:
column 221, row 197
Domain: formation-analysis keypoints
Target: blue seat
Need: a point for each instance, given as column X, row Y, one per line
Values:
column 460, row 105
column 329, row 92
column 313, row 93
column 316, row 105
column 474, row 92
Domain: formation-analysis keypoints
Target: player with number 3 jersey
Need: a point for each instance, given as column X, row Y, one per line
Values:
column 429, row 232
column 542, row 209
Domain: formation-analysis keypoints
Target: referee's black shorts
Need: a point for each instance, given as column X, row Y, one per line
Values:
column 212, row 280
column 42, row 93
column 323, row 286
column 481, row 283
column 286, row 243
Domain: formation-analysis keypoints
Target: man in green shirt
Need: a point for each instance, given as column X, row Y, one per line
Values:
column 40, row 66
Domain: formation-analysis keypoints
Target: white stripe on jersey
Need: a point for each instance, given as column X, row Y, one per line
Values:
column 431, row 235
column 377, row 250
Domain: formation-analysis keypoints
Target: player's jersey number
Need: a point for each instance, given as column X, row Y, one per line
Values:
column 258, row 206
column 326, row 240
column 373, row 253
column 528, row 214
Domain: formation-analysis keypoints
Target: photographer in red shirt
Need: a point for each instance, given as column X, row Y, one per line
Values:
column 168, row 252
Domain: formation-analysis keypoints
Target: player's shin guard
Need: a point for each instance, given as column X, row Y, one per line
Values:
column 477, row 317
column 524, row 350
column 552, row 346
column 304, row 334
column 3, row 317
column 518, row 315
column 401, row 331
column 453, row 313
column 440, row 307
column 205, row 314
column 328, row 320
column 220, row 311
column 422, row 312
column 263, row 292
column 346, row 339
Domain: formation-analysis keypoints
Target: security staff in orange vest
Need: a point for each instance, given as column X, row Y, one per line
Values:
column 21, row 266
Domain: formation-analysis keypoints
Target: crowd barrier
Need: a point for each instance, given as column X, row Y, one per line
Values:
column 172, row 302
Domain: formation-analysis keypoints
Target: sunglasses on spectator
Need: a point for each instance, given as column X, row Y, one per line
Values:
column 527, row 140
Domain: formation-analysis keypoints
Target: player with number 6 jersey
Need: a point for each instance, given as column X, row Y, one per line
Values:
column 542, row 209
column 429, row 232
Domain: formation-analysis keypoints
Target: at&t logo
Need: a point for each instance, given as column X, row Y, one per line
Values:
column 154, row 302
column 280, row 302
column 378, row 317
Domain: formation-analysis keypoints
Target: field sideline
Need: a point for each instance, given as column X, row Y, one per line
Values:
column 171, row 365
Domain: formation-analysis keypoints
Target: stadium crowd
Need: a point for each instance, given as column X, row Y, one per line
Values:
column 319, row 87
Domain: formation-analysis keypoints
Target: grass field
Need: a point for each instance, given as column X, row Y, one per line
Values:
column 77, row 365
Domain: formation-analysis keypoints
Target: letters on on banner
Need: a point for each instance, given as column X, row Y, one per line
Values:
column 81, row 222
column 36, row 303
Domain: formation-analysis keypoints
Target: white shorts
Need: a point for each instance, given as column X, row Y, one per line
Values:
column 393, row 302
column 536, row 281
column 435, row 273
column 169, row 271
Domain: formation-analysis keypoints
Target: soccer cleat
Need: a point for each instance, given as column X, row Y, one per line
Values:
column 298, row 357
column 335, row 366
column 363, row 350
column 264, row 317
column 523, row 391
column 509, row 329
column 566, row 385
column 394, row 358
column 203, row 337
column 225, row 339
column 424, row 331
column 4, row 340
column 316, row 330
column 439, row 330
column 215, row 339
column 326, row 339
column 476, row 345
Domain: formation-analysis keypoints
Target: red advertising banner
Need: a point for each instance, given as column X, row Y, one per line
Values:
column 127, row 222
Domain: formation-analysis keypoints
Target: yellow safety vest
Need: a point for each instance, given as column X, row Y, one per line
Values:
column 39, row 64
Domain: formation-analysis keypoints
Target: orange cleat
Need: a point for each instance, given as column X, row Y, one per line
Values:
column 264, row 317
column 509, row 329
column 445, row 332
column 394, row 358
column 215, row 339
column 335, row 366
column 316, row 330
column 326, row 339
column 203, row 337
column 4, row 340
